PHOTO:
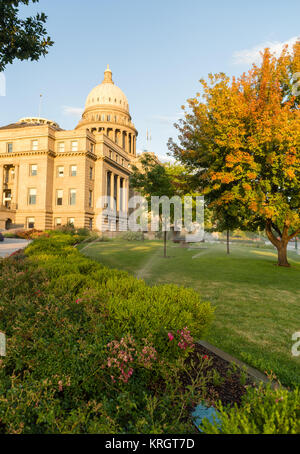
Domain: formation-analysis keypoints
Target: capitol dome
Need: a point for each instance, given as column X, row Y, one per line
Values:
column 107, row 112
column 107, row 94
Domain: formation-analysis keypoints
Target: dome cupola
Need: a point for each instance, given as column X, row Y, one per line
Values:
column 107, row 94
column 107, row 112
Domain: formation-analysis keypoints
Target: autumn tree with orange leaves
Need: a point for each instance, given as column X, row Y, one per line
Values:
column 241, row 140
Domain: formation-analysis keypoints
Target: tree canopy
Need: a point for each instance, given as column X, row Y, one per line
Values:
column 22, row 39
column 241, row 139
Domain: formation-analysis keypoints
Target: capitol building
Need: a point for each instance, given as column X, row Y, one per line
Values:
column 50, row 177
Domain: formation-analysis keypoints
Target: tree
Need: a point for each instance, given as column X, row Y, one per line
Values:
column 242, row 140
column 21, row 39
column 150, row 178
column 224, row 220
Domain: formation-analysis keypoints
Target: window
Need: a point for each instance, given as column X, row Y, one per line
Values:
column 33, row 170
column 9, row 148
column 60, row 171
column 72, row 197
column 61, row 147
column 58, row 222
column 91, row 223
column 90, row 199
column 91, row 173
column 30, row 223
column 92, row 148
column 71, row 221
column 108, row 117
column 59, row 197
column 73, row 171
column 32, row 196
column 34, row 145
column 74, row 146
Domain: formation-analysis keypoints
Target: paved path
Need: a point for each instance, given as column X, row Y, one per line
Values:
column 10, row 245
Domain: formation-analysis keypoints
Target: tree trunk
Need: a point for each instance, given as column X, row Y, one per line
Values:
column 280, row 244
column 228, row 237
column 165, row 245
column 282, row 255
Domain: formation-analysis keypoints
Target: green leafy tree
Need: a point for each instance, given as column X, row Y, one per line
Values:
column 151, row 179
column 225, row 219
column 22, row 39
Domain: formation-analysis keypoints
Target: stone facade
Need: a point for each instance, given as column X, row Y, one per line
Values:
column 50, row 177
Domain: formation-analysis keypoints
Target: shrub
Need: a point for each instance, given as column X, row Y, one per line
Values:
column 133, row 236
column 71, row 324
column 263, row 411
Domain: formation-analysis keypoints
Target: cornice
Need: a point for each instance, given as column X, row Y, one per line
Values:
column 27, row 153
column 76, row 153
column 106, row 108
column 116, row 165
column 16, row 154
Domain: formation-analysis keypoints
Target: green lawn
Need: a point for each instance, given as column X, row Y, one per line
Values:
column 257, row 303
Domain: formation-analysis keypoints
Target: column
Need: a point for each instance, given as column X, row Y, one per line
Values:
column 123, row 145
column 134, row 145
column 112, row 187
column 129, row 143
column 121, row 195
column 118, row 193
column 15, row 189
column 125, row 195
column 1, row 184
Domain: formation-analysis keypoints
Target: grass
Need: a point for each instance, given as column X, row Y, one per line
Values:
column 257, row 303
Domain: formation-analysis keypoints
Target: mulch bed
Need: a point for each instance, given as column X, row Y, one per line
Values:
column 231, row 383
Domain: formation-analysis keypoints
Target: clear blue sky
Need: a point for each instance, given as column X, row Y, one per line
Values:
column 157, row 49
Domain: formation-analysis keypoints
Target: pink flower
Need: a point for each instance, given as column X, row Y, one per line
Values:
column 171, row 337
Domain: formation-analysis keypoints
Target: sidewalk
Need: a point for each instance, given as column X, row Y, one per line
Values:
column 11, row 245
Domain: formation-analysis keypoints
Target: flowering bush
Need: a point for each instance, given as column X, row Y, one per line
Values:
column 181, row 343
column 126, row 354
column 71, row 364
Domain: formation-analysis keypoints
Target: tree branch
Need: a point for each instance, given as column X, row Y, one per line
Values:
column 271, row 235
column 294, row 234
